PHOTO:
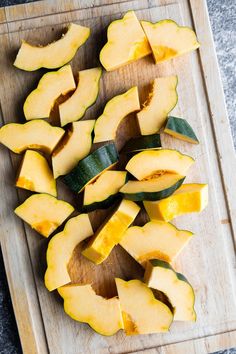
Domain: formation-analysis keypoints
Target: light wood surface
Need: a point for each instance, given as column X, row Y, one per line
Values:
column 208, row 261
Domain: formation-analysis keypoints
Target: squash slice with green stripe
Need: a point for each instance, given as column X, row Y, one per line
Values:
column 180, row 129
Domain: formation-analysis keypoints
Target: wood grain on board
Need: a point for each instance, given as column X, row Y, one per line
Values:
column 208, row 261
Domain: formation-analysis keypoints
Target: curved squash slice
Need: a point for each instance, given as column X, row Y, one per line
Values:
column 74, row 147
column 91, row 167
column 140, row 143
column 111, row 232
column 35, row 174
column 156, row 239
column 142, row 312
column 169, row 40
column 53, row 55
column 60, row 250
column 84, row 96
column 162, row 100
column 44, row 213
column 180, row 129
column 189, row 198
column 114, row 112
column 40, row 101
column 161, row 276
column 82, row 304
column 152, row 189
column 103, row 192
column 38, row 135
column 148, row 164
column 126, row 42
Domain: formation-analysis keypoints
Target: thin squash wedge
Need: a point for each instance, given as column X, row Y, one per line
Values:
column 148, row 164
column 37, row 135
column 189, row 198
column 91, row 167
column 40, row 101
column 44, row 213
column 114, row 112
column 53, row 55
column 104, row 191
column 111, row 232
column 169, row 40
column 60, row 250
column 152, row 189
column 156, row 239
column 140, row 143
column 82, row 304
column 142, row 312
column 84, row 96
column 180, row 129
column 35, row 174
column 161, row 276
column 126, row 42
column 75, row 145
column 161, row 101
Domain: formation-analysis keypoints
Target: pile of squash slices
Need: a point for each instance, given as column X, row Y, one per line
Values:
column 151, row 180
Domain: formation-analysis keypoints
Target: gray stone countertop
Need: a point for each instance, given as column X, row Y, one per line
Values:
column 223, row 21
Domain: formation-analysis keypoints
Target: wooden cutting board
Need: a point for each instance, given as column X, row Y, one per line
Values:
column 208, row 261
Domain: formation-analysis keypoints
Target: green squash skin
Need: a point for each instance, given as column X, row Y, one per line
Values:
column 182, row 127
column 153, row 196
column 141, row 143
column 91, row 166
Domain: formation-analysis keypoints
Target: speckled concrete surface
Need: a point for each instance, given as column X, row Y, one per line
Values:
column 223, row 21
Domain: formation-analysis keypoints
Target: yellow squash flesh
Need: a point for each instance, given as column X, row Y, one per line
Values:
column 60, row 250
column 40, row 101
column 114, row 112
column 84, row 96
column 161, row 276
column 35, row 174
column 75, row 147
column 44, row 213
column 147, row 164
column 53, row 55
column 126, row 42
column 142, row 312
column 37, row 135
column 169, row 40
column 111, row 233
column 162, row 100
column 156, row 239
column 188, row 198
column 82, row 304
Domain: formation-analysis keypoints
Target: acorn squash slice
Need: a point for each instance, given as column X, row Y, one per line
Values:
column 111, row 232
column 161, row 276
column 35, row 174
column 44, row 213
column 60, row 250
column 38, row 135
column 114, row 112
column 53, row 55
column 169, row 40
column 140, row 143
column 156, row 239
column 161, row 101
column 180, row 129
column 126, row 42
column 142, row 312
column 53, row 84
column 189, row 198
column 152, row 189
column 104, row 191
column 89, row 168
column 149, row 164
column 82, row 304
column 84, row 96
column 75, row 145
